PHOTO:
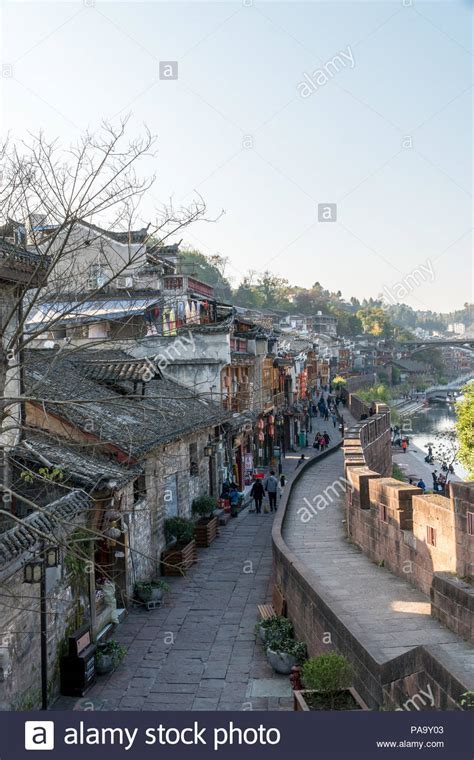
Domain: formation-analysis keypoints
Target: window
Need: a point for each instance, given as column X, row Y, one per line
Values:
column 383, row 512
column 193, row 460
column 470, row 523
column 139, row 488
column 430, row 535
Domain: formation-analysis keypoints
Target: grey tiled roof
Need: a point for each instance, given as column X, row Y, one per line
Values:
column 133, row 424
column 81, row 467
column 48, row 522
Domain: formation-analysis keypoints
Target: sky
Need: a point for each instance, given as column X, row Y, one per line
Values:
column 262, row 125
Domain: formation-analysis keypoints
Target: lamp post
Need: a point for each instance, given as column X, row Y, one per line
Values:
column 35, row 572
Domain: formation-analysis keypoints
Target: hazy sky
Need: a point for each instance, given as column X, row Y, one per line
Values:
column 387, row 136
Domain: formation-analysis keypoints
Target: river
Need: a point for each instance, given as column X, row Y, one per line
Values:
column 431, row 422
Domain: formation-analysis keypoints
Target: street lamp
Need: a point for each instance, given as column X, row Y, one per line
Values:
column 35, row 572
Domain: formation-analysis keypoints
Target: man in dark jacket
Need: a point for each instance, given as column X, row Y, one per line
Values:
column 257, row 492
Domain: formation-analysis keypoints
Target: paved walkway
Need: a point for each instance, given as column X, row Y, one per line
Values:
column 387, row 614
column 199, row 651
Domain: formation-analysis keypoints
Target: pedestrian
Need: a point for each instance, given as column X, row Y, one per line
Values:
column 442, row 482
column 404, row 445
column 282, row 484
column 421, row 484
column 434, row 475
column 301, row 460
column 257, row 493
column 326, row 439
column 316, row 442
column 334, row 419
column 270, row 485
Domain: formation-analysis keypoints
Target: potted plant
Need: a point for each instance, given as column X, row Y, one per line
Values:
column 327, row 683
column 178, row 560
column 206, row 528
column 151, row 591
column 284, row 652
column 272, row 625
column 108, row 655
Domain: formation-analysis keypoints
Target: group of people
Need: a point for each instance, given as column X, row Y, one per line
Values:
column 270, row 485
column 321, row 441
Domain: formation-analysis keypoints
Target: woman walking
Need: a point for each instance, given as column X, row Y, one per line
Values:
column 257, row 493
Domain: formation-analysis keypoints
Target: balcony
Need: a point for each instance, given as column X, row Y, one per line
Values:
column 182, row 283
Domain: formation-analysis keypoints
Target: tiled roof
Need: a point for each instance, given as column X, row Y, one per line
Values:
column 21, row 257
column 48, row 522
column 81, row 467
column 132, row 423
column 129, row 236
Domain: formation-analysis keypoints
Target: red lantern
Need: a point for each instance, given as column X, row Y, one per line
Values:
column 271, row 430
column 271, row 419
column 260, row 424
column 261, row 436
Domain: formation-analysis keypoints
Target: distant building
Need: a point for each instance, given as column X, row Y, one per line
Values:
column 325, row 324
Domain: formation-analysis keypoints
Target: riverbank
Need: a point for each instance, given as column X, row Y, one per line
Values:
column 413, row 465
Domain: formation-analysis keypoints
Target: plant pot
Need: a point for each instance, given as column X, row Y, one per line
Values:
column 104, row 664
column 281, row 662
column 206, row 531
column 349, row 697
column 156, row 594
column 143, row 596
column 177, row 561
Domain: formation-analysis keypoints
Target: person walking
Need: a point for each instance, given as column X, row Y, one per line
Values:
column 282, row 484
column 334, row 419
column 300, row 460
column 270, row 485
column 404, row 445
column 257, row 493
column 326, row 439
column 434, row 475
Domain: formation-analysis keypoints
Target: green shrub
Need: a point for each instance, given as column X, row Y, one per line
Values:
column 111, row 648
column 287, row 645
column 204, row 506
column 179, row 528
column 328, row 673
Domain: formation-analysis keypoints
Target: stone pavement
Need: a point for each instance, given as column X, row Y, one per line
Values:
column 384, row 612
column 199, row 651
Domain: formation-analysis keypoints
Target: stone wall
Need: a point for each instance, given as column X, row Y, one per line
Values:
column 414, row 535
column 372, row 435
column 20, row 662
column 314, row 615
column 452, row 602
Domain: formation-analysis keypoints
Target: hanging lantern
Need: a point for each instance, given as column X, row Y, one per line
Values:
column 261, row 436
column 271, row 419
column 260, row 424
column 271, row 431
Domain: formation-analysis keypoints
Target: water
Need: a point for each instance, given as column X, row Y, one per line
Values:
column 432, row 422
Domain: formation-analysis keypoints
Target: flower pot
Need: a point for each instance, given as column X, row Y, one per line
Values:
column 281, row 662
column 206, row 531
column 156, row 594
column 105, row 663
column 177, row 561
column 309, row 700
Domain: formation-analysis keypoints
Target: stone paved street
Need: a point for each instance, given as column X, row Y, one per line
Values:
column 199, row 651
